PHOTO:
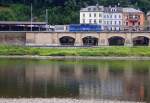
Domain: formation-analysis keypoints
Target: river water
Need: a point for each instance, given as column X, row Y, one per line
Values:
column 86, row 79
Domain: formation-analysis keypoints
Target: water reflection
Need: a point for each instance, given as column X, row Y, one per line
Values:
column 122, row 80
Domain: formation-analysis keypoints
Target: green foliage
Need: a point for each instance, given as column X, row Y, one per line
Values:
column 20, row 12
column 7, row 15
column 14, row 12
column 103, row 51
column 60, row 11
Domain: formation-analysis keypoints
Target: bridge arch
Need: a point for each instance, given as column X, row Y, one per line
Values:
column 67, row 41
column 141, row 41
column 116, row 41
column 122, row 35
column 90, row 41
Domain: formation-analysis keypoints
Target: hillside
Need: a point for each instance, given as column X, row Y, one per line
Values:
column 60, row 11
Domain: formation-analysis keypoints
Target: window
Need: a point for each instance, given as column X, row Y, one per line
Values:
column 113, row 10
column 111, row 28
column 115, row 16
column 110, row 16
column 119, row 22
column 90, row 21
column 119, row 16
column 126, row 23
column 90, row 15
column 139, row 16
column 115, row 22
column 139, row 23
column 83, row 20
column 99, row 8
column 104, row 22
column 94, row 14
column 111, row 22
column 100, row 21
column 107, row 16
column 119, row 29
column 83, row 15
column 107, row 22
column 89, row 9
column 104, row 16
column 100, row 15
column 94, row 21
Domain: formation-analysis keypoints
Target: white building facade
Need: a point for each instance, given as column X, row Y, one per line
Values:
column 113, row 18
column 110, row 18
column 92, row 15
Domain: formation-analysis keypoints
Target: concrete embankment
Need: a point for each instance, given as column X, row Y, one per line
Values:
column 54, row 100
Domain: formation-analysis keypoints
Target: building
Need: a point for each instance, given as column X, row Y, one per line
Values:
column 92, row 15
column 148, row 20
column 112, row 18
column 133, row 19
column 22, row 26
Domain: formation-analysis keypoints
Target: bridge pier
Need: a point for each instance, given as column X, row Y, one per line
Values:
column 55, row 39
column 128, row 40
column 78, row 40
column 103, row 40
column 149, row 43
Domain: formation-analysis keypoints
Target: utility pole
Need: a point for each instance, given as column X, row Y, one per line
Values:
column 31, row 16
column 46, row 19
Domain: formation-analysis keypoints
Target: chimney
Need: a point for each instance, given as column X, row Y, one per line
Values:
column 97, row 5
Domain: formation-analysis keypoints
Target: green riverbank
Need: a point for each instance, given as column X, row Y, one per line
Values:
column 102, row 51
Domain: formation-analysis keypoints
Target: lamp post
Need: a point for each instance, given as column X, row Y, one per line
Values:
column 46, row 19
column 31, row 16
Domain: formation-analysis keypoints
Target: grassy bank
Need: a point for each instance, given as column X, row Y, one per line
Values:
column 103, row 51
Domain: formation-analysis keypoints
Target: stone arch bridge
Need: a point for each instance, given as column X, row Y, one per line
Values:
column 88, row 38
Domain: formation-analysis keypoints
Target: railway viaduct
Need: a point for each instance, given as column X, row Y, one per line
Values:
column 75, row 38
column 87, row 38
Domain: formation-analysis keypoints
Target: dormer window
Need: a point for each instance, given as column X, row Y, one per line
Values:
column 113, row 10
column 99, row 8
column 89, row 9
column 94, row 9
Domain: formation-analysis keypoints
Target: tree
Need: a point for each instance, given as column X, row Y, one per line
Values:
column 144, row 5
column 60, row 11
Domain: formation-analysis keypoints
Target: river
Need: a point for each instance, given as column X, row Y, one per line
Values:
column 75, row 79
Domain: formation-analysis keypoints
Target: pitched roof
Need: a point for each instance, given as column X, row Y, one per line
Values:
column 93, row 9
column 131, row 10
column 113, row 9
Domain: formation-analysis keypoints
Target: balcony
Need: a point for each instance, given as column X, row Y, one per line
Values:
column 133, row 18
